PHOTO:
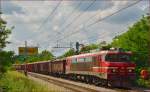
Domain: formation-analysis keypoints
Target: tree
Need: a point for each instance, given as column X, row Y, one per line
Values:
column 89, row 47
column 137, row 40
column 43, row 56
column 46, row 55
column 4, row 32
column 5, row 57
column 70, row 52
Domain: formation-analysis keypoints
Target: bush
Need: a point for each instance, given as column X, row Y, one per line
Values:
column 6, row 60
column 143, row 83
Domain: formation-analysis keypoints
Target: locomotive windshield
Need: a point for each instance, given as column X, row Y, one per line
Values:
column 118, row 57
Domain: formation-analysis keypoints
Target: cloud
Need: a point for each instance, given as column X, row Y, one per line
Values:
column 128, row 15
column 97, row 5
column 36, row 12
column 9, row 8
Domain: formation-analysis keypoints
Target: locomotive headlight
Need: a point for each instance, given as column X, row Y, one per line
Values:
column 113, row 70
column 130, row 70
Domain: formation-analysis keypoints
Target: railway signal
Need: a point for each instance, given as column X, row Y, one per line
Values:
column 78, row 46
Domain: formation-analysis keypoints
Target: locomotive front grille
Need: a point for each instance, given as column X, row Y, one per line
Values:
column 122, row 71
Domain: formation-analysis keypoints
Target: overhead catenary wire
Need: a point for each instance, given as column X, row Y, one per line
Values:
column 73, row 11
column 99, row 37
column 70, row 14
column 99, row 20
column 51, row 13
column 77, row 17
column 92, row 39
column 80, row 14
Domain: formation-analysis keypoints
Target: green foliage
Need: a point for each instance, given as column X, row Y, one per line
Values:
column 4, row 32
column 89, row 47
column 6, row 59
column 17, row 82
column 68, row 53
column 143, row 83
column 137, row 40
column 44, row 55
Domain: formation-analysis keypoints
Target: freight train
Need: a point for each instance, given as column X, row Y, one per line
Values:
column 106, row 67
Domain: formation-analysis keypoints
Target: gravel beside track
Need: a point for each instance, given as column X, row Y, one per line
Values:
column 71, row 85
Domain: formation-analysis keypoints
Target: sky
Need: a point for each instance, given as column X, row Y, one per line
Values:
column 43, row 23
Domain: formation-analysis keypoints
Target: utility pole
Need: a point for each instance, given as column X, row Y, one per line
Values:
column 25, row 58
column 57, row 43
column 78, row 45
column 71, row 45
column 25, row 47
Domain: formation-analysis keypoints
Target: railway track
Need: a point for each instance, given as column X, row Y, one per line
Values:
column 75, row 86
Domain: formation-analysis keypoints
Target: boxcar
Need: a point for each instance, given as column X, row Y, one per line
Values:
column 44, row 67
column 29, row 67
column 58, row 67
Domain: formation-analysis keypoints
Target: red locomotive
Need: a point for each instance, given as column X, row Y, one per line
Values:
column 107, row 68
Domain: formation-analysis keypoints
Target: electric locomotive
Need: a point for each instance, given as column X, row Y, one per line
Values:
column 108, row 68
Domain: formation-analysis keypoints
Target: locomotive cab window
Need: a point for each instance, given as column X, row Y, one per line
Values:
column 118, row 57
column 125, row 57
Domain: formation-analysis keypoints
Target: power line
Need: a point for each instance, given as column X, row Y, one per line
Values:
column 100, row 20
column 71, row 14
column 110, row 15
column 77, row 17
column 99, row 37
column 74, row 10
column 51, row 13
column 90, row 5
column 103, row 35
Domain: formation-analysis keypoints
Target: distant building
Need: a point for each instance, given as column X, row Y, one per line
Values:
column 28, row 50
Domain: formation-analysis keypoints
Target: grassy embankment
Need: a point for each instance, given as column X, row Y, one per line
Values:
column 13, row 81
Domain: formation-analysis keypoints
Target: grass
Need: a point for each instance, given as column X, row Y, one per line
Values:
column 13, row 81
